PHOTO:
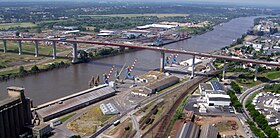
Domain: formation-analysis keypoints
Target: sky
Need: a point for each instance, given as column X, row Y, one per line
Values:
column 247, row 2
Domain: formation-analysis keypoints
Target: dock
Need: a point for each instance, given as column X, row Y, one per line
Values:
column 73, row 102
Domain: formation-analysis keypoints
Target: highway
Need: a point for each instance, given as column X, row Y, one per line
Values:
column 246, row 94
column 161, row 49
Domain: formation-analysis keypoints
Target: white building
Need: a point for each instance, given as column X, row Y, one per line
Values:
column 156, row 26
column 218, row 100
column 257, row 47
column 215, row 94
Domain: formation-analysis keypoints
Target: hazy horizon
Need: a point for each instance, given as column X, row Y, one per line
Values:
column 271, row 3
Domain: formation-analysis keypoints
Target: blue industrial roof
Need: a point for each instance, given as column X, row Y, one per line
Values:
column 217, row 85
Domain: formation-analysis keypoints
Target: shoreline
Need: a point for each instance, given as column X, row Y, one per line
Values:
column 16, row 75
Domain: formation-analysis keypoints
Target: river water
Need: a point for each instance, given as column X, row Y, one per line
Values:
column 47, row 86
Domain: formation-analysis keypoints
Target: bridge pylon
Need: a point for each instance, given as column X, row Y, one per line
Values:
column 75, row 53
column 224, row 70
column 36, row 48
column 193, row 67
column 19, row 47
column 162, row 57
column 256, row 72
column 54, row 49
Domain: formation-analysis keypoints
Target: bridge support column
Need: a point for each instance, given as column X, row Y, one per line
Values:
column 256, row 73
column 75, row 53
column 193, row 66
column 19, row 47
column 224, row 70
column 122, row 49
column 5, row 46
column 54, row 50
column 36, row 48
column 162, row 57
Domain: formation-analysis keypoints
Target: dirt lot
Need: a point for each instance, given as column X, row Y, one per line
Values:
column 88, row 122
column 224, row 125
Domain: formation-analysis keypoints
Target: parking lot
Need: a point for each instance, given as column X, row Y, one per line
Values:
column 265, row 103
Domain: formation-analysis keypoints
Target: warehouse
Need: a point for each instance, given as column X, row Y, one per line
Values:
column 162, row 84
column 71, row 104
column 208, row 131
column 205, row 88
column 188, row 130
column 109, row 109
column 214, row 93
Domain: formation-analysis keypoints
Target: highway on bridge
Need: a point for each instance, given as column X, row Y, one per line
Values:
column 161, row 49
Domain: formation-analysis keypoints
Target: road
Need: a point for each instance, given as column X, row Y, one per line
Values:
column 245, row 95
column 140, row 104
column 160, row 49
column 136, row 126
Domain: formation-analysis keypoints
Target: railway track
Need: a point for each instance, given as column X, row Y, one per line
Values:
column 165, row 121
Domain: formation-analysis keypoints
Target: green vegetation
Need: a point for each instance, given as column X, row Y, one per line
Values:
column 256, row 130
column 273, row 75
column 28, row 47
column 196, row 30
column 75, row 136
column 234, row 100
column 235, row 87
column 260, row 120
column 21, row 71
column 178, row 114
column 65, row 118
column 6, row 26
column 137, row 15
column 275, row 88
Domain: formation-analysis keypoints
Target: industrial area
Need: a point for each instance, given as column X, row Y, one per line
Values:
column 232, row 92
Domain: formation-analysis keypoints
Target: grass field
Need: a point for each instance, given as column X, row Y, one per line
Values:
column 65, row 118
column 30, row 48
column 13, row 25
column 137, row 15
column 88, row 122
column 273, row 75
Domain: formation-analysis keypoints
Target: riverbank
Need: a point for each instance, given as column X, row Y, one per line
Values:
column 76, row 77
column 34, row 70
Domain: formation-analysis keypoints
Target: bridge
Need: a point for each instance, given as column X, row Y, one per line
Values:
column 163, row 50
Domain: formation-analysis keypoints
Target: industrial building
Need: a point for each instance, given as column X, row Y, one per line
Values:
column 163, row 26
column 15, row 114
column 214, row 94
column 41, row 130
column 208, row 131
column 156, row 81
column 72, row 103
column 109, row 109
column 162, row 84
column 188, row 130
column 141, row 92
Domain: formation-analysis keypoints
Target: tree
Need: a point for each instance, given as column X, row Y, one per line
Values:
column 17, row 33
column 235, row 87
column 35, row 69
column 22, row 71
column 84, row 56
column 75, row 136
column 96, row 29
column 38, row 30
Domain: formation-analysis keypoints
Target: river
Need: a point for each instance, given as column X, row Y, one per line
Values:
column 47, row 86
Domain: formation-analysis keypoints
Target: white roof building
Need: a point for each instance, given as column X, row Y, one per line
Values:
column 156, row 26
